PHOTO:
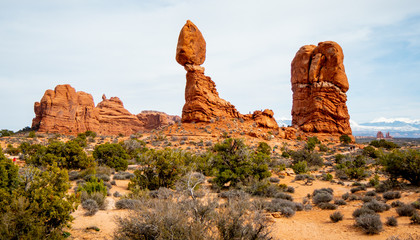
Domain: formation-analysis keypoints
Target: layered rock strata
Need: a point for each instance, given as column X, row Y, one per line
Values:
column 202, row 101
column 65, row 111
column 319, row 85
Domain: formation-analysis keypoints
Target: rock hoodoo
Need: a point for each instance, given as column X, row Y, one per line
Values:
column 65, row 111
column 319, row 85
column 202, row 101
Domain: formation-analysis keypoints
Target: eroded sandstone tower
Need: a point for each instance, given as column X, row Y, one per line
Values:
column 319, row 85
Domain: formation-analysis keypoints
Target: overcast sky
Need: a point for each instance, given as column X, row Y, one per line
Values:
column 127, row 49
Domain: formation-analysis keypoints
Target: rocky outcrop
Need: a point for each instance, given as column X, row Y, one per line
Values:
column 114, row 119
column 202, row 101
column 319, row 85
column 65, row 111
column 155, row 119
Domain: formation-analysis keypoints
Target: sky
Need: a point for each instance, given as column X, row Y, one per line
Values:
column 127, row 49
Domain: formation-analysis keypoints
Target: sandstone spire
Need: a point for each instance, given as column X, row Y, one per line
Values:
column 319, row 85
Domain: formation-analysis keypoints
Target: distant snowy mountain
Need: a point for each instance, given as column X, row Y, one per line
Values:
column 397, row 127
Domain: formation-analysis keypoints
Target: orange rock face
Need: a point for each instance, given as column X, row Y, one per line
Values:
column 66, row 111
column 202, row 101
column 319, row 85
column 191, row 48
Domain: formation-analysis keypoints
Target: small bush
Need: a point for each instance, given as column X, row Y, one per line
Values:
column 405, row 210
column 369, row 223
column 340, row 202
column 123, row 176
column 285, row 196
column 117, row 194
column 327, row 206
column 300, row 167
column 277, row 204
column 90, row 206
column 127, row 204
column 353, row 197
column 391, row 221
column 371, row 194
column 415, row 218
column 377, row 206
column 336, row 216
column 357, row 189
column 391, row 195
column 290, row 189
column 322, row 197
column 234, row 193
column 397, row 203
column 360, row 211
column 345, row 196
column 416, row 204
column 287, row 212
column 274, row 179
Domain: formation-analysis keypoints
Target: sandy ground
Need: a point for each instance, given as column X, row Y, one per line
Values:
column 313, row 224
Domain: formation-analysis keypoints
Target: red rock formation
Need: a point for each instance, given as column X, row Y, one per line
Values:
column 155, row 119
column 114, row 119
column 66, row 111
column 202, row 101
column 319, row 85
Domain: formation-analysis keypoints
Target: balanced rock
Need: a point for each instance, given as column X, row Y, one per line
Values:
column 319, row 85
column 202, row 101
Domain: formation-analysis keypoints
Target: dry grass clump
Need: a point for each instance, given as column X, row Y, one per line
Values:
column 369, row 223
column 336, row 216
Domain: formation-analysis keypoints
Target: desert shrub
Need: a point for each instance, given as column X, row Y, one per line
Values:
column 112, row 155
column 113, row 182
column 345, row 196
column 374, row 181
column 382, row 143
column 234, row 163
column 311, row 158
column 383, row 187
column 352, row 167
column 357, row 189
column 283, row 195
column 339, row 158
column 340, row 202
column 370, row 151
column 90, row 206
column 161, row 193
column 377, row 206
column 277, row 204
column 127, row 203
column 300, row 167
column 336, row 216
column 68, row 155
column 34, row 203
column 391, row 221
column 322, row 195
column 370, row 194
column 402, row 164
column 405, row 210
column 98, row 197
column 290, row 189
column 391, row 195
column 264, row 148
column 360, row 211
column 369, row 223
column 162, row 169
column 123, row 176
column 234, row 193
column 301, row 177
column 345, row 139
column 327, row 177
column 311, row 143
column 367, row 199
column 274, row 179
column 6, row 133
column 397, row 203
column 133, row 147
column 327, row 206
column 117, row 194
column 415, row 218
column 416, row 204
column 287, row 212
